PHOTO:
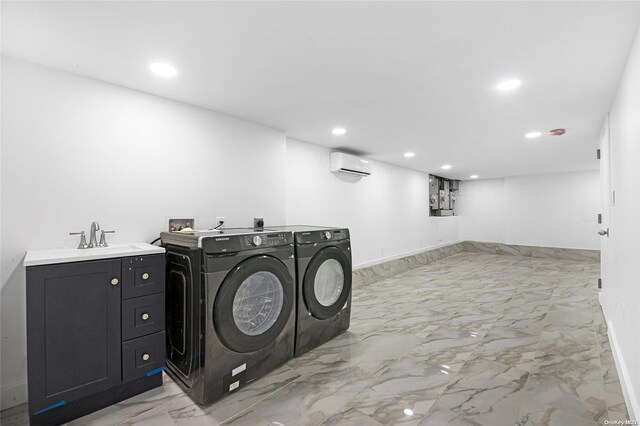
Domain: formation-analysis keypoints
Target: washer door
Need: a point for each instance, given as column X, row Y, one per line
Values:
column 327, row 282
column 253, row 304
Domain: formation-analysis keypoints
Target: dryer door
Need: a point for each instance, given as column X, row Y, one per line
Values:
column 253, row 304
column 327, row 282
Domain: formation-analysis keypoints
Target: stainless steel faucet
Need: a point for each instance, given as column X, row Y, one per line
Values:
column 83, row 241
column 95, row 227
column 103, row 239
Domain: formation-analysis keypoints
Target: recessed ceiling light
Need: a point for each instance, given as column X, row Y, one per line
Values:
column 473, row 177
column 409, row 154
column 162, row 69
column 508, row 85
column 408, row 411
column 532, row 135
column 339, row 131
column 446, row 167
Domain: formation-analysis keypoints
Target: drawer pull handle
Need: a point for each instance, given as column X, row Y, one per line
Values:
column 145, row 276
column 145, row 316
column 114, row 281
column 145, row 357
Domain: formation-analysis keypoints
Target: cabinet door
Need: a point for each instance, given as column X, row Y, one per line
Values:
column 73, row 331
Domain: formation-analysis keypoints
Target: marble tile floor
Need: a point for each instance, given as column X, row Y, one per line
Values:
column 473, row 339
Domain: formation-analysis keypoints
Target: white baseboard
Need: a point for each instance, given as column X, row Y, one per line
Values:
column 630, row 396
column 13, row 395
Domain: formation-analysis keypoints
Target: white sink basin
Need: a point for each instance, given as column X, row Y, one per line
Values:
column 65, row 255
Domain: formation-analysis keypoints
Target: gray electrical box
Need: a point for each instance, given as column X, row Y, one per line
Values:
column 434, row 192
column 442, row 196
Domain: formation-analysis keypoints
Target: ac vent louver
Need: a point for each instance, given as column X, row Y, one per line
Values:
column 350, row 164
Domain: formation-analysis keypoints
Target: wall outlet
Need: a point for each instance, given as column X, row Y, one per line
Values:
column 220, row 222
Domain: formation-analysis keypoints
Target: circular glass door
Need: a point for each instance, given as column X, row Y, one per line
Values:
column 258, row 303
column 253, row 304
column 327, row 282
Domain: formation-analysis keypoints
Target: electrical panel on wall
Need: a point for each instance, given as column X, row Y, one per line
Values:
column 442, row 196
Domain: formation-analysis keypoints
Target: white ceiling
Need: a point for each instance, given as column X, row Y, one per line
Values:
column 399, row 76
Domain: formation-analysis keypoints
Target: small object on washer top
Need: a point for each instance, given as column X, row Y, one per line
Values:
column 185, row 231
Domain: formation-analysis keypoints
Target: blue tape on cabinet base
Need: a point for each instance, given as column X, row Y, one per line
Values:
column 156, row 371
column 51, row 407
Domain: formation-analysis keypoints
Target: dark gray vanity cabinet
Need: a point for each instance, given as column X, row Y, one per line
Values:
column 88, row 346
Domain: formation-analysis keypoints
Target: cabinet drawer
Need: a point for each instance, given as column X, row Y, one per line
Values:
column 142, row 315
column 142, row 355
column 142, row 275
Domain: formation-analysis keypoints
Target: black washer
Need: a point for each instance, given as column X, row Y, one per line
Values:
column 223, row 318
column 316, row 308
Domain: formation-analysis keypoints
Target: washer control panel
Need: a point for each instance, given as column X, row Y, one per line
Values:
column 236, row 243
column 266, row 239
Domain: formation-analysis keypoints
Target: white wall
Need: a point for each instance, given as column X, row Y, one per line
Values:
column 481, row 218
column 76, row 150
column 620, row 288
column 557, row 210
column 554, row 210
column 387, row 212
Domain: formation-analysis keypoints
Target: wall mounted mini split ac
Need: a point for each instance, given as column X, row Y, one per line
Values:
column 350, row 164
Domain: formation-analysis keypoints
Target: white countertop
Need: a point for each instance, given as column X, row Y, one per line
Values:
column 66, row 255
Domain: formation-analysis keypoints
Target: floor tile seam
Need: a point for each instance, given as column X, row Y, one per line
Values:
column 524, row 398
column 324, row 419
column 452, row 381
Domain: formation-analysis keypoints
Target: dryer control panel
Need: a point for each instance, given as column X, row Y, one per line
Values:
column 310, row 237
